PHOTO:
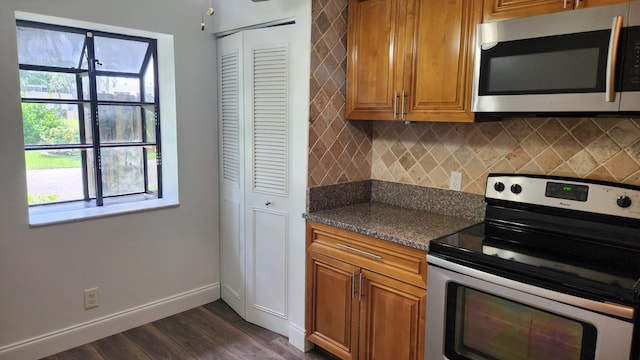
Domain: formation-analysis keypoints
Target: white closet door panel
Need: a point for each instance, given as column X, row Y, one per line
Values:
column 232, row 255
column 230, row 116
column 270, row 266
column 232, row 178
column 270, row 119
column 268, row 202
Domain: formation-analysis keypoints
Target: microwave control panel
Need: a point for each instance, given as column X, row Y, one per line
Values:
column 631, row 73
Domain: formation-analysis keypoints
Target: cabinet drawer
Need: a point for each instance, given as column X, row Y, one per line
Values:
column 397, row 261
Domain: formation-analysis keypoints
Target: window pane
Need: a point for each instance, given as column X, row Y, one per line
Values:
column 86, row 95
column 47, row 124
column 48, row 85
column 149, row 83
column 150, row 125
column 49, row 47
column 119, row 123
column 53, row 176
column 122, row 170
column 118, row 88
column 152, row 169
column 91, row 174
column 119, row 54
column 88, row 122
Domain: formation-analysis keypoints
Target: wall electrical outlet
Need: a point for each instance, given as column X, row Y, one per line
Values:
column 456, row 181
column 90, row 298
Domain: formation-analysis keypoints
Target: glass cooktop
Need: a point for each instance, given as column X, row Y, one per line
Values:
column 569, row 264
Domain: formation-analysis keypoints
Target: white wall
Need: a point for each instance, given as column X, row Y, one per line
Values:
column 147, row 265
column 234, row 14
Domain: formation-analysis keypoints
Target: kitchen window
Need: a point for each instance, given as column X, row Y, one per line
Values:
column 91, row 121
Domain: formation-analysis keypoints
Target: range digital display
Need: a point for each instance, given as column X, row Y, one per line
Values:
column 567, row 191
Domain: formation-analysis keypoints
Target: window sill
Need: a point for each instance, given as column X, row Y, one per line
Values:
column 78, row 211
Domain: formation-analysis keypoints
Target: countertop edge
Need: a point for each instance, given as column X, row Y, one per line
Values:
column 417, row 238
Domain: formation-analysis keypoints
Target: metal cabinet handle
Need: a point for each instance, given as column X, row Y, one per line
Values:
column 395, row 104
column 267, row 203
column 616, row 27
column 564, row 4
column 353, row 284
column 360, row 288
column 377, row 257
column 577, row 5
column 403, row 96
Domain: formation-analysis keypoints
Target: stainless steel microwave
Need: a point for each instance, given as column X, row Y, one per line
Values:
column 574, row 62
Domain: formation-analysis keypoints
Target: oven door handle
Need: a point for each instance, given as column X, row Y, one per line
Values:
column 609, row 308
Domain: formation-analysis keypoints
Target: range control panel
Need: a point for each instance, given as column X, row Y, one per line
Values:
column 569, row 193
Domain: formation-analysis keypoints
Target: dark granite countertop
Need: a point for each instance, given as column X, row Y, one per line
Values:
column 413, row 228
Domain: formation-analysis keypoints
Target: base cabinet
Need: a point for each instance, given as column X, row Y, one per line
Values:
column 356, row 309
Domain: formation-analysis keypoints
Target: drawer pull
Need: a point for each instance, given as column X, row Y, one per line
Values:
column 349, row 248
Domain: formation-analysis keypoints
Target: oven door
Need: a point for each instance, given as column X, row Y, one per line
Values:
column 474, row 315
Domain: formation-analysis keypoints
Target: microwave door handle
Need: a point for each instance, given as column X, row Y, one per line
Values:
column 610, row 91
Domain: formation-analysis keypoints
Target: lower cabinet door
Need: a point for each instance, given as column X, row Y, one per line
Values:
column 392, row 319
column 332, row 305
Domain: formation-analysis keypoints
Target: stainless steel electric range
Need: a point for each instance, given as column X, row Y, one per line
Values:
column 551, row 273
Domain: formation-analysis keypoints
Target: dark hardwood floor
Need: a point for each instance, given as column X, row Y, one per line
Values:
column 212, row 331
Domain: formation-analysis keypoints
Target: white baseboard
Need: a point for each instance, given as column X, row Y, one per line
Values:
column 297, row 338
column 79, row 334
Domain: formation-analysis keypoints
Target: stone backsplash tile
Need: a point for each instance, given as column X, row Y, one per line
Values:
column 424, row 154
column 339, row 150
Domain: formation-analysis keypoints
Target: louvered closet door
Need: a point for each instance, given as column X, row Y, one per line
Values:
column 268, row 170
column 231, row 140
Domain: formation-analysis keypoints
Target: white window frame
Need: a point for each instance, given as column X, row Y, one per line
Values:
column 73, row 211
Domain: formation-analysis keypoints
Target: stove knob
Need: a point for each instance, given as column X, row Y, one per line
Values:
column 499, row 187
column 516, row 189
column 623, row 201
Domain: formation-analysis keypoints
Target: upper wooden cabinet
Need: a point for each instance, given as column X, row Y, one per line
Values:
column 411, row 59
column 508, row 9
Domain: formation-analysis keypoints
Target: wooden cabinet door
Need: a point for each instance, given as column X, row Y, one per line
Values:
column 375, row 44
column 593, row 3
column 508, row 9
column 440, row 76
column 392, row 319
column 332, row 305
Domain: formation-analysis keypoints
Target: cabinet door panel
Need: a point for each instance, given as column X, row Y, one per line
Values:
column 374, row 68
column 441, row 66
column 332, row 316
column 507, row 9
column 593, row 3
column 392, row 315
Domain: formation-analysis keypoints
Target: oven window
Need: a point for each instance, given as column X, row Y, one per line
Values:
column 481, row 326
